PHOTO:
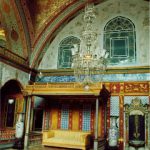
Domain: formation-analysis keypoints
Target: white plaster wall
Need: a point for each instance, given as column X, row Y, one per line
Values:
column 136, row 11
column 8, row 73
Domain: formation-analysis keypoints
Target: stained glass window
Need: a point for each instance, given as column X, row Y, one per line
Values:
column 64, row 53
column 120, row 41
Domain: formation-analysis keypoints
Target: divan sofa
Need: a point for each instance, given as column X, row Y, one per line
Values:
column 66, row 138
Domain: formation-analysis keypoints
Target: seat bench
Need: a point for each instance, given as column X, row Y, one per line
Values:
column 66, row 138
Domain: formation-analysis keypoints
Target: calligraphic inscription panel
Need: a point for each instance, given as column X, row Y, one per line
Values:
column 135, row 87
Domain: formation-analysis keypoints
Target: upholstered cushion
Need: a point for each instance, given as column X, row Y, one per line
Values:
column 64, row 138
column 64, row 141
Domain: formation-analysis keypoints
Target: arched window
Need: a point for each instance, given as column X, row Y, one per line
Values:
column 64, row 53
column 119, row 40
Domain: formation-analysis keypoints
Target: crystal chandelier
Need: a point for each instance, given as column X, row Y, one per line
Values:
column 89, row 62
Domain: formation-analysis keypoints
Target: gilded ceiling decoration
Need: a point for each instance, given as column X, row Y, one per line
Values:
column 42, row 10
column 2, row 31
column 6, row 7
column 12, row 25
column 14, row 35
column 20, row 20
column 49, row 29
column 29, row 26
column 2, row 34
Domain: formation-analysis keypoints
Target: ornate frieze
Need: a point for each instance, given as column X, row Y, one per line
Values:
column 107, row 77
column 136, row 87
column 123, row 88
column 115, row 87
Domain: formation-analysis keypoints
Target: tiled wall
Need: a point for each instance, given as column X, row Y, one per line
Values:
column 86, row 118
column 144, row 99
column 114, row 106
column 64, row 116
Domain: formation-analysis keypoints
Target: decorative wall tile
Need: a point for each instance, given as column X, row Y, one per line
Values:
column 107, row 77
column 65, row 117
column 70, row 118
column 114, row 106
column 92, row 119
column 128, row 99
column 86, row 118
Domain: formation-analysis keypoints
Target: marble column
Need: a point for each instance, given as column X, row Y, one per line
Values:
column 96, row 125
column 26, row 140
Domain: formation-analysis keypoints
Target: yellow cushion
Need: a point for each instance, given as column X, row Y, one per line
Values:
column 63, row 141
column 66, row 138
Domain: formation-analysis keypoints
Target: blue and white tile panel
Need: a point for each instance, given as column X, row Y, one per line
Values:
column 107, row 77
column 86, row 118
column 128, row 99
column 65, row 117
column 114, row 106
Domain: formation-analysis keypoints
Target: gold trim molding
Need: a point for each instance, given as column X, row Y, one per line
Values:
column 110, row 70
column 62, row 89
column 73, row 88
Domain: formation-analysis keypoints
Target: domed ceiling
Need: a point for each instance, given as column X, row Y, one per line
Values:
column 27, row 27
